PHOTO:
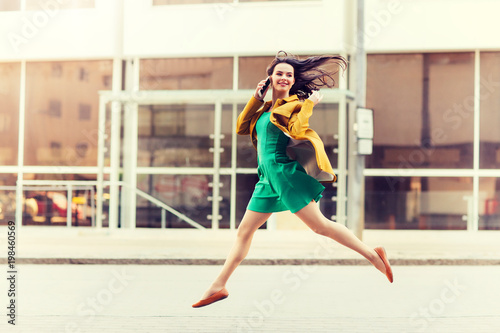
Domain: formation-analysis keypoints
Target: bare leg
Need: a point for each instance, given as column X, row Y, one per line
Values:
column 249, row 224
column 314, row 219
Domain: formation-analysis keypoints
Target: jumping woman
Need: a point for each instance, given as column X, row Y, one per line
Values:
column 286, row 148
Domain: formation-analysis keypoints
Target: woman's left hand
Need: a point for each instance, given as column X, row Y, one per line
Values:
column 315, row 97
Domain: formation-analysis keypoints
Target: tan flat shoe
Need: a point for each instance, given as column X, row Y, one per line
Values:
column 388, row 271
column 220, row 295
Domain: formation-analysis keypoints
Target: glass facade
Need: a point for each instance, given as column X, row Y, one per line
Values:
column 424, row 120
column 423, row 106
column 490, row 110
column 425, row 113
column 215, row 2
column 66, row 4
column 186, row 74
column 10, row 77
column 62, row 110
column 418, row 202
column 187, row 194
column 10, row 5
column 175, row 136
column 489, row 210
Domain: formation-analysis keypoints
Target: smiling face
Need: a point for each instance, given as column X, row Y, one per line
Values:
column 282, row 78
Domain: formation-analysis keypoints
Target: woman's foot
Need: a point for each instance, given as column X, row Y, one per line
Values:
column 382, row 263
column 211, row 297
column 213, row 294
column 212, row 290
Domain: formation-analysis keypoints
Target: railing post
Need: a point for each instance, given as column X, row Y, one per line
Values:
column 69, row 208
column 163, row 218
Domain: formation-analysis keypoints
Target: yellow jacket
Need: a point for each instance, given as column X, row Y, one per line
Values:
column 292, row 117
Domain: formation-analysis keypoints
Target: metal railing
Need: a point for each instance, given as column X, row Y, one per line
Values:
column 58, row 186
column 70, row 186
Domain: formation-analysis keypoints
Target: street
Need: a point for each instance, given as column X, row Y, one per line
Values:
column 154, row 298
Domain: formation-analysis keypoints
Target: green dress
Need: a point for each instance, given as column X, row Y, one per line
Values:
column 283, row 183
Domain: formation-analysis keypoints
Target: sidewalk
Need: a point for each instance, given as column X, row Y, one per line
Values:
column 61, row 245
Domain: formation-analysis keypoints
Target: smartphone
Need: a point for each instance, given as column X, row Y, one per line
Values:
column 261, row 91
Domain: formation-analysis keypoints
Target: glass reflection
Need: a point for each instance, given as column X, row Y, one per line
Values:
column 225, row 204
column 186, row 2
column 188, row 194
column 186, row 73
column 489, row 203
column 417, row 202
column 227, row 132
column 48, row 205
column 423, row 106
column 490, row 110
column 175, row 135
column 10, row 5
column 246, row 155
column 62, row 106
column 10, row 76
column 57, row 5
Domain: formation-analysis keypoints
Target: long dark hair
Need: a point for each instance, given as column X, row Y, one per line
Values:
column 308, row 74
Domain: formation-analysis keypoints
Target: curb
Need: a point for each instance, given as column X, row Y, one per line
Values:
column 264, row 262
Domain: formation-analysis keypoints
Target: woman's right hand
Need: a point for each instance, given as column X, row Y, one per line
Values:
column 259, row 86
column 315, row 97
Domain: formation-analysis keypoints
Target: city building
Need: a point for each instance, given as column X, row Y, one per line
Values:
column 134, row 103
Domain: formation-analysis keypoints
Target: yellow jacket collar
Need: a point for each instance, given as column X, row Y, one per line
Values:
column 291, row 98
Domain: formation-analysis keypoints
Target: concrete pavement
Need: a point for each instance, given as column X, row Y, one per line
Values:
column 157, row 298
column 60, row 245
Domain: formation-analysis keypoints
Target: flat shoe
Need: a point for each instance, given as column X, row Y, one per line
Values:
column 388, row 271
column 220, row 295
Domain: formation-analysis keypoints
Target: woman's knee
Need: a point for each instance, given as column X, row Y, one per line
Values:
column 320, row 229
column 245, row 232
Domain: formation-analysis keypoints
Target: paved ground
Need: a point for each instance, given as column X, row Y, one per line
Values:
column 58, row 245
column 158, row 298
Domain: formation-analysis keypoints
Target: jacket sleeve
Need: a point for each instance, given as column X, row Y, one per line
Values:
column 299, row 120
column 245, row 117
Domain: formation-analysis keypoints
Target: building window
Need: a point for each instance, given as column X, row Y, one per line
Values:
column 56, row 70
column 81, row 149
column 45, row 91
column 83, row 74
column 170, row 123
column 176, row 135
column 58, row 5
column 217, row 2
column 10, row 77
column 4, row 122
column 10, row 5
column 55, row 108
column 55, row 149
column 84, row 111
column 188, row 2
column 186, row 73
column 106, row 81
column 417, row 202
column 252, row 70
column 490, row 110
column 423, row 106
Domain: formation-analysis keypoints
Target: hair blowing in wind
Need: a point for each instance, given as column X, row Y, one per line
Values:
column 308, row 73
